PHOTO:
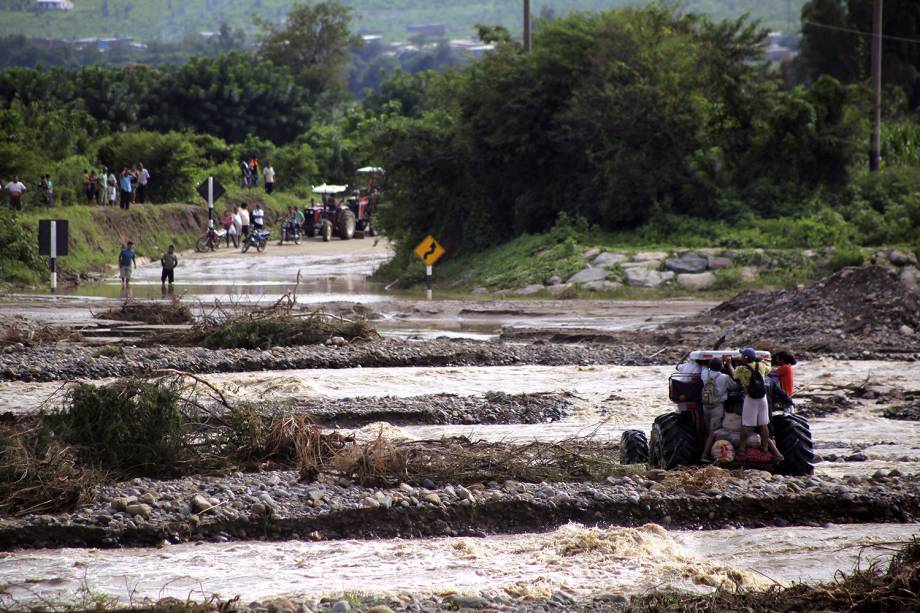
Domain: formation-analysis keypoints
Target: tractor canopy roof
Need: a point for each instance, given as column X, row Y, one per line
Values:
column 708, row 354
column 326, row 189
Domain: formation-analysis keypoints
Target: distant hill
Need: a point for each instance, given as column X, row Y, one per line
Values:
column 170, row 20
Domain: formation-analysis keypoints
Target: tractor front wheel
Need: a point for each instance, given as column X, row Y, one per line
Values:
column 633, row 447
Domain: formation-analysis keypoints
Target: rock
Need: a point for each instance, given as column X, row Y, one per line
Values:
column 749, row 273
column 590, row 253
column 909, row 276
column 370, row 503
column 589, row 274
column 718, row 262
column 428, row 484
column 432, row 498
column 656, row 474
column 405, row 487
column 467, row 602
column 317, row 496
column 337, row 341
column 199, row 503
column 554, row 280
column 643, row 277
column 463, row 493
column 479, row 290
column 258, row 508
column 380, row 608
column 651, row 264
column 529, row 289
column 558, row 289
column 608, row 259
column 701, row 280
column 121, row 503
column 906, row 330
column 341, row 606
column 614, row 598
column 687, row 263
column 602, row 286
column 281, row 605
column 902, row 258
column 149, row 498
column 857, row 457
column 144, row 510
column 649, row 256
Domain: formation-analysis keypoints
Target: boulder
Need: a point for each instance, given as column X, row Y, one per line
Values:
column 199, row 503
column 590, row 253
column 558, row 289
column 588, row 274
column 647, row 256
column 608, row 259
column 639, row 276
column 141, row 509
column 687, row 263
column 902, row 258
column 749, row 273
column 718, row 262
column 529, row 289
column 909, row 277
column 602, row 286
column 651, row 264
column 554, row 280
column 700, row 280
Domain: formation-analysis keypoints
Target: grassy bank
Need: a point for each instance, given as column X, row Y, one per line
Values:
column 97, row 233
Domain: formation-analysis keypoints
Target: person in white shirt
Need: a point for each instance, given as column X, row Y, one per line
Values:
column 258, row 217
column 244, row 221
column 714, row 412
column 143, row 177
column 16, row 189
column 269, row 173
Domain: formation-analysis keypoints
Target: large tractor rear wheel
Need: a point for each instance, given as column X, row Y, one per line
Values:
column 347, row 225
column 793, row 438
column 673, row 442
column 633, row 447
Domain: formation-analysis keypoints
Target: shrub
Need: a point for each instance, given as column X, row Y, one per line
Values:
column 171, row 158
column 846, row 255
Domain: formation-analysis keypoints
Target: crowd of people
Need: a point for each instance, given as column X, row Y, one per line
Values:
column 105, row 188
column 761, row 387
column 250, row 170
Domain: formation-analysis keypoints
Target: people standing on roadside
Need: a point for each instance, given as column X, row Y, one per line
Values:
column 127, row 259
column 755, row 410
column 87, row 185
column 254, row 167
column 102, row 187
column 126, row 187
column 143, row 178
column 16, row 189
column 168, row 261
column 237, row 227
column 244, row 221
column 258, row 217
column 133, row 172
column 269, row 174
column 226, row 221
column 246, row 172
column 112, row 188
column 49, row 190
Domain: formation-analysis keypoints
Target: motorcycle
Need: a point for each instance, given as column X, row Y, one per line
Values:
column 210, row 241
column 290, row 231
column 257, row 238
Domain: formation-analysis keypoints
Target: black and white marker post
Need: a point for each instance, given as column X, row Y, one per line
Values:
column 210, row 203
column 428, row 271
column 53, row 261
column 52, row 241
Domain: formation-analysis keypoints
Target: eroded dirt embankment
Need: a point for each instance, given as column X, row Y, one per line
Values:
column 275, row 505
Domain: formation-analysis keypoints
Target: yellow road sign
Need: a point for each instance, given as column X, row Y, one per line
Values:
column 429, row 250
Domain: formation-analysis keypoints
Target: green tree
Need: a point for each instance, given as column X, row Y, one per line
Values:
column 314, row 44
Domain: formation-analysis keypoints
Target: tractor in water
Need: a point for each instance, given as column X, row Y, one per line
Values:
column 330, row 217
column 677, row 438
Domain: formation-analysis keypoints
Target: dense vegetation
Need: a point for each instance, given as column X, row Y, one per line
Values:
column 650, row 123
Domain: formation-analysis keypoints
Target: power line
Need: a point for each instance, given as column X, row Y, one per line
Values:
column 826, row 26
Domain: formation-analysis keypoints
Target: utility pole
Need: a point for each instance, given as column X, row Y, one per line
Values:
column 875, row 145
column 527, row 25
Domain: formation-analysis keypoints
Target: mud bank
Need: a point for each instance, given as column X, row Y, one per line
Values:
column 276, row 506
column 63, row 362
column 430, row 409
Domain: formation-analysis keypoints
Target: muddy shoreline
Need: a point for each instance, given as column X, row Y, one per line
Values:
column 276, row 506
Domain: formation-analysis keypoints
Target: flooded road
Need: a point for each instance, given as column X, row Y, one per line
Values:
column 583, row 561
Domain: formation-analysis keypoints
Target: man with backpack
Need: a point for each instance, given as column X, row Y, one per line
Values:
column 716, row 385
column 755, row 411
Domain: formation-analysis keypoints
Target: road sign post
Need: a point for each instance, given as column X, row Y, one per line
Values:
column 211, row 190
column 52, row 241
column 429, row 251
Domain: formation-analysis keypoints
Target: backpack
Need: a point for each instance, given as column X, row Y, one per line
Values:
column 756, row 387
column 710, row 393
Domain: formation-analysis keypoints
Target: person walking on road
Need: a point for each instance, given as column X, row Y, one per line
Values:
column 168, row 261
column 269, row 173
column 16, row 189
column 127, row 260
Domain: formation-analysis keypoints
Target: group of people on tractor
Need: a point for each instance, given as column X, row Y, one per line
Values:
column 729, row 434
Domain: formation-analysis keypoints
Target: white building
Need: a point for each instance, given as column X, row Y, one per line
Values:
column 54, row 5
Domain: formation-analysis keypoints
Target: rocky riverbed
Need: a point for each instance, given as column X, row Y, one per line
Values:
column 276, row 505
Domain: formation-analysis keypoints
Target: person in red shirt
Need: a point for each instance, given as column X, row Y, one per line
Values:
column 783, row 361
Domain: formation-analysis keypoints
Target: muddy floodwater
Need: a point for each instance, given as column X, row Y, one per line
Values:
column 582, row 560
column 602, row 401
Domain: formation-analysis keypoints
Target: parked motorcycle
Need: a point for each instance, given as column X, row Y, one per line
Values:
column 257, row 238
